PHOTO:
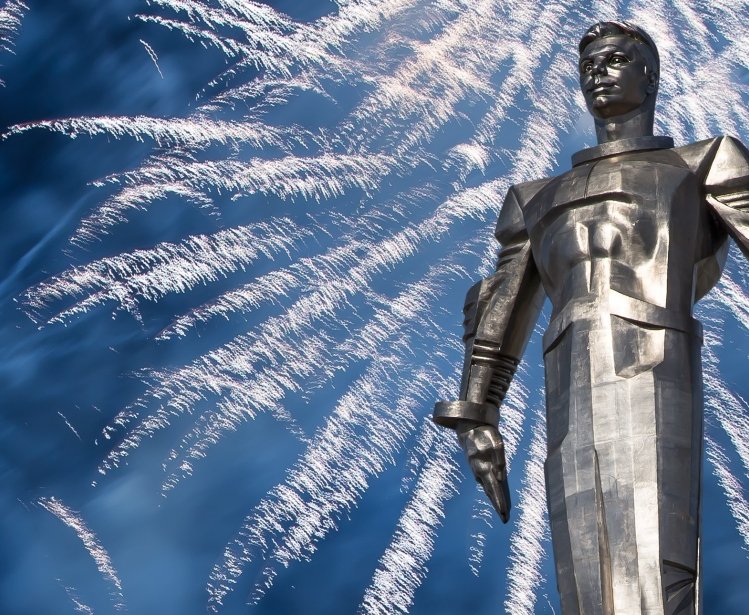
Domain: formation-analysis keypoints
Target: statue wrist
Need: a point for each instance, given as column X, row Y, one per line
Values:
column 451, row 413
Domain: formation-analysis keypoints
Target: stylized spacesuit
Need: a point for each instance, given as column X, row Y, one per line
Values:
column 623, row 245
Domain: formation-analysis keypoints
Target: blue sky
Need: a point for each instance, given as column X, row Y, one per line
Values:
column 361, row 337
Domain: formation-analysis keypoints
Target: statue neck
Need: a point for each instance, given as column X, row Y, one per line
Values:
column 638, row 123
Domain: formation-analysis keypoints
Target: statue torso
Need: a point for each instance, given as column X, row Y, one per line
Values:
column 635, row 222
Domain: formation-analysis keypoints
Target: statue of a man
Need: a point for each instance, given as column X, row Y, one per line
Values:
column 623, row 245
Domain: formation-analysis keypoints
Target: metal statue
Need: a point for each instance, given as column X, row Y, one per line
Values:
column 623, row 245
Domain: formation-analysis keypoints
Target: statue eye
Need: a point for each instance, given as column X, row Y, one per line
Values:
column 586, row 67
column 618, row 60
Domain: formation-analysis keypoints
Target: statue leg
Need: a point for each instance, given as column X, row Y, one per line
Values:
column 623, row 470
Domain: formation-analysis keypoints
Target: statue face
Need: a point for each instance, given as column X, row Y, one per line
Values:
column 614, row 76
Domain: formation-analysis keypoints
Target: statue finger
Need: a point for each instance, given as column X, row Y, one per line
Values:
column 498, row 492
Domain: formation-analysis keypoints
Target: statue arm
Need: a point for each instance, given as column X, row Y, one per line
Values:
column 500, row 313
column 727, row 190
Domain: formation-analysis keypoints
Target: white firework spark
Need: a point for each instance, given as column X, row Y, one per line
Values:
column 528, row 542
column 11, row 15
column 402, row 567
column 92, row 544
column 451, row 107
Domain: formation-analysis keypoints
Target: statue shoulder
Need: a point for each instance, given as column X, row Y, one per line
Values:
column 511, row 222
column 729, row 169
column 722, row 163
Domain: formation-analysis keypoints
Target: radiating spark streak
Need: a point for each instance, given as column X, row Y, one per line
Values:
column 268, row 579
column 79, row 606
column 334, row 32
column 112, row 212
column 167, row 268
column 527, row 545
column 723, row 406
column 421, row 65
column 267, row 44
column 152, row 54
column 303, row 509
column 248, row 391
column 317, row 45
column 412, row 570
column 736, row 497
column 731, row 296
column 251, row 18
column 694, row 66
column 67, row 422
column 455, row 72
column 248, row 10
column 318, row 178
column 264, row 94
column 730, row 410
column 227, row 370
column 11, row 15
column 195, row 132
column 226, row 45
column 402, row 567
column 323, row 360
column 351, row 265
column 95, row 549
column 299, row 541
column 521, row 76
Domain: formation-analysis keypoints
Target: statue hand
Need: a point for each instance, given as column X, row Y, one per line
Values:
column 485, row 451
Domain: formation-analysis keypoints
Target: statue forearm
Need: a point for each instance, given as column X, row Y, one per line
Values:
column 500, row 314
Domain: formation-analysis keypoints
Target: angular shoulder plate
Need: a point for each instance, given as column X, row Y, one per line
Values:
column 698, row 156
column 511, row 224
column 729, row 170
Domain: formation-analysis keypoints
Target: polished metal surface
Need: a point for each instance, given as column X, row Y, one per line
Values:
column 623, row 245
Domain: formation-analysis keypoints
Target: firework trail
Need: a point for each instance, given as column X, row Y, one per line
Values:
column 11, row 15
column 403, row 565
column 530, row 539
column 95, row 549
column 446, row 105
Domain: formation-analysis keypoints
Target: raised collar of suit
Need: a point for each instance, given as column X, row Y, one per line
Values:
column 622, row 146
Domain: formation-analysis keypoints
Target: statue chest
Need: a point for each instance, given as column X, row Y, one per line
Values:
column 634, row 220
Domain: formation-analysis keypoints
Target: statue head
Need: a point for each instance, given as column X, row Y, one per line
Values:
column 619, row 67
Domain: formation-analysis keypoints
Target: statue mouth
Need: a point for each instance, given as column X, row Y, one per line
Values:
column 601, row 89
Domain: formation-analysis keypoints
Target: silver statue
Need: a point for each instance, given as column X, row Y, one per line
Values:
column 623, row 245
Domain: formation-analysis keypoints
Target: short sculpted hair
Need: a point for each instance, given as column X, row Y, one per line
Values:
column 619, row 28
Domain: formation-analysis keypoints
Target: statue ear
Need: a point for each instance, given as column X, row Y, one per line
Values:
column 652, row 81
